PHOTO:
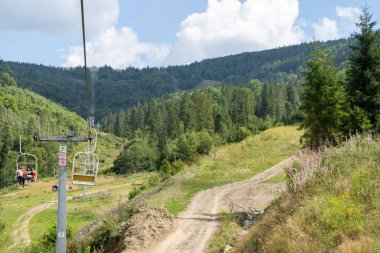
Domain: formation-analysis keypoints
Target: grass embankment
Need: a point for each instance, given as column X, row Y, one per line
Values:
column 336, row 210
column 109, row 190
column 226, row 164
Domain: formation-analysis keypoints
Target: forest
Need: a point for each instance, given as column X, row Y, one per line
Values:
column 19, row 117
column 131, row 86
column 184, row 124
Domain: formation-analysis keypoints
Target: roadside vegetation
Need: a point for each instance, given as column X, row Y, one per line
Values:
column 332, row 204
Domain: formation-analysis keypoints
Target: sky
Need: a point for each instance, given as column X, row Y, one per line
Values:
column 141, row 33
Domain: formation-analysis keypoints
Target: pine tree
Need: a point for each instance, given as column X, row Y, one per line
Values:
column 363, row 75
column 322, row 101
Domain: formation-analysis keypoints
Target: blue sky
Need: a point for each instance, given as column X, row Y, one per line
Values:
column 141, row 33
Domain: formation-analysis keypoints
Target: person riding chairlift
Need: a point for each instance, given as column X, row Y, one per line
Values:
column 34, row 174
column 19, row 176
column 29, row 174
column 25, row 177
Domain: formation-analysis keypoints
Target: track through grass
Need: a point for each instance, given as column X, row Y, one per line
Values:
column 105, row 195
column 230, row 163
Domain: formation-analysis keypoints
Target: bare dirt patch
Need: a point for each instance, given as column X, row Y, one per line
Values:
column 200, row 220
column 139, row 232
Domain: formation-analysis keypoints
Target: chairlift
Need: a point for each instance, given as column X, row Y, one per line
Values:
column 86, row 165
column 27, row 161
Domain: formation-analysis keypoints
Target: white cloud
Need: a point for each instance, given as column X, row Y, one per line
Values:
column 226, row 27
column 118, row 48
column 56, row 16
column 348, row 17
column 351, row 13
column 230, row 26
column 326, row 29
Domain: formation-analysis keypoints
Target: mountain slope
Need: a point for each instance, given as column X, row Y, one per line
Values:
column 118, row 89
column 19, row 109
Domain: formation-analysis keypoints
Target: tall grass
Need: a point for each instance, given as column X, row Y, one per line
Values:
column 333, row 203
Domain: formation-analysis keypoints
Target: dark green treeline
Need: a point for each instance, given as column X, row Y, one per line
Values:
column 182, row 125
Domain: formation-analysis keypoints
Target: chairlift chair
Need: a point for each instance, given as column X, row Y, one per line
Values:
column 26, row 161
column 86, row 165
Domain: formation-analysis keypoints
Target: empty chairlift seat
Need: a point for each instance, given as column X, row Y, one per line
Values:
column 85, row 168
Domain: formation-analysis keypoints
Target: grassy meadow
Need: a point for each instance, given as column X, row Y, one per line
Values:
column 229, row 163
column 105, row 195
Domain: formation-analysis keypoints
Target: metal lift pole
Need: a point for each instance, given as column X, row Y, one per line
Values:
column 61, row 222
column 61, row 225
column 69, row 137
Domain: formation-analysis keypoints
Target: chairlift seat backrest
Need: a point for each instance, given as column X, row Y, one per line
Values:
column 26, row 161
column 85, row 168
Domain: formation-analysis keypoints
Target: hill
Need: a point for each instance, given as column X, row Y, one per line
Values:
column 123, row 229
column 19, row 110
column 118, row 89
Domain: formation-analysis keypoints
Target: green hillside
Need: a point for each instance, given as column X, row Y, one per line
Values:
column 19, row 110
column 334, row 210
column 130, row 86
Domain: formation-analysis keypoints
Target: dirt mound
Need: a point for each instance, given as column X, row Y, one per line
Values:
column 146, row 226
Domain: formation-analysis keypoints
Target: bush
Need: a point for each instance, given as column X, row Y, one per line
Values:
column 165, row 170
column 204, row 143
column 135, row 191
column 129, row 212
column 154, row 180
column 177, row 166
column 48, row 241
column 140, row 156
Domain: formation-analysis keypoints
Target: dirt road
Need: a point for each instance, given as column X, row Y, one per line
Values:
column 200, row 220
column 22, row 224
column 21, row 232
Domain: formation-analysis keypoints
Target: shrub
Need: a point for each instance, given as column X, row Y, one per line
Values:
column 129, row 212
column 140, row 156
column 154, row 180
column 48, row 241
column 177, row 166
column 165, row 170
column 135, row 191
column 342, row 215
column 204, row 143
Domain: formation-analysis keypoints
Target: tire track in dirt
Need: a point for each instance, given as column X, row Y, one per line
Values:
column 21, row 231
column 201, row 219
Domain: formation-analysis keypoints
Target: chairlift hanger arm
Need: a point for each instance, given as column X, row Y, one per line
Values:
column 61, row 139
